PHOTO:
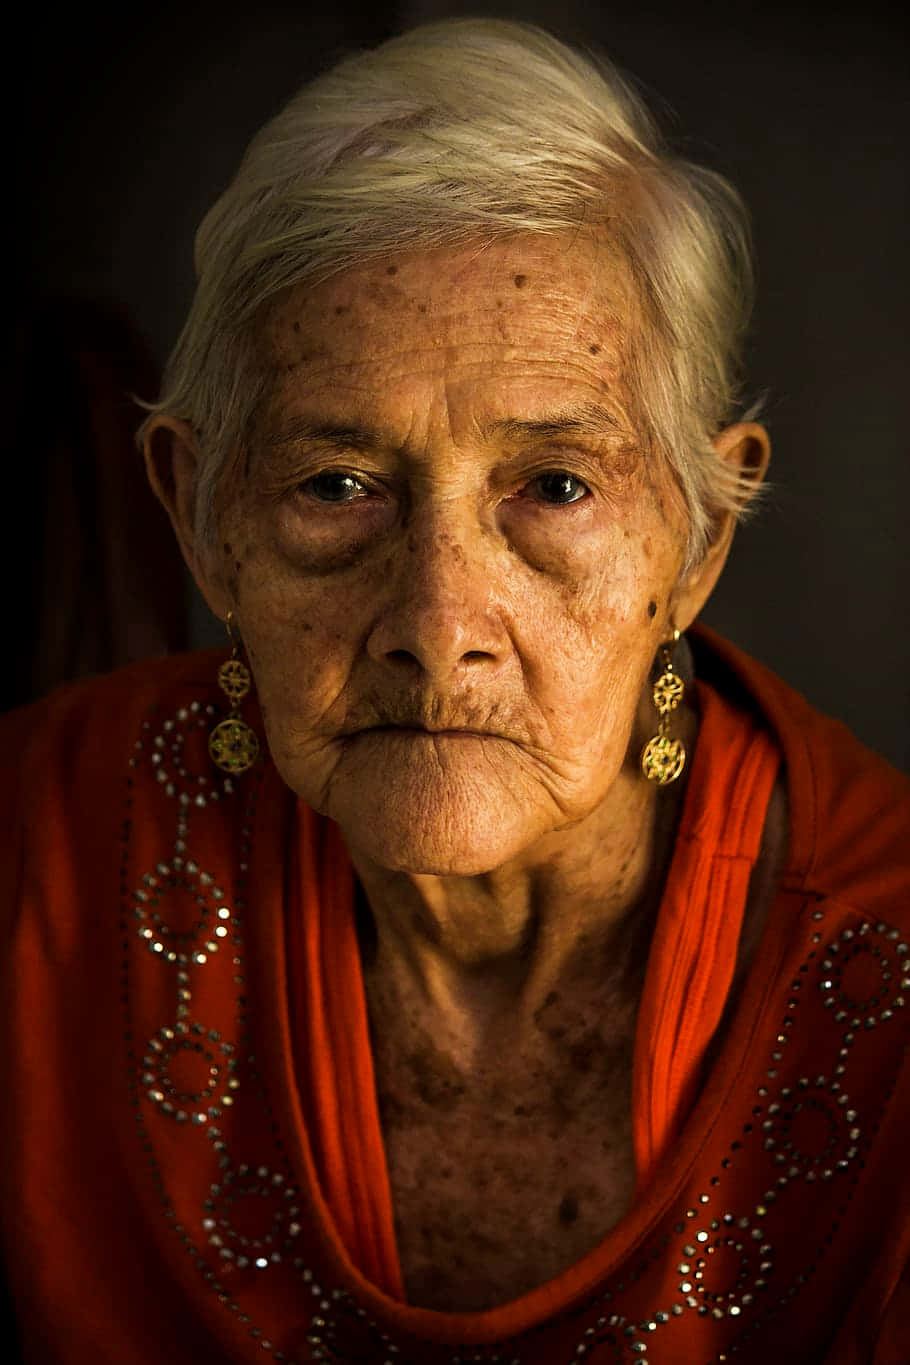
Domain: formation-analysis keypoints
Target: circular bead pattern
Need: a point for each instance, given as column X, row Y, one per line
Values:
column 811, row 1130
column 171, row 1045
column 233, row 745
column 862, row 980
column 250, row 1218
column 723, row 1268
column 663, row 759
column 211, row 927
column 165, row 750
column 239, row 1191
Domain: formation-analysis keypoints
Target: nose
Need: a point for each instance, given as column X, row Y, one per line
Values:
column 440, row 617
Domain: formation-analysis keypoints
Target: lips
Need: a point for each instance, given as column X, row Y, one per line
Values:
column 433, row 732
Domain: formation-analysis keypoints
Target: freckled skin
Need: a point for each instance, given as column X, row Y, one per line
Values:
column 490, row 610
column 504, row 869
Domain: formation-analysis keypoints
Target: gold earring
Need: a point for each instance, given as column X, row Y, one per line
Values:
column 663, row 758
column 233, row 745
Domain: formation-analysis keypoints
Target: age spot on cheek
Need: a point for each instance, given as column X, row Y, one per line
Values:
column 520, row 281
column 594, row 349
column 652, row 609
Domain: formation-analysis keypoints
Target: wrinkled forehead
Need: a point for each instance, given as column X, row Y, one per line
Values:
column 524, row 314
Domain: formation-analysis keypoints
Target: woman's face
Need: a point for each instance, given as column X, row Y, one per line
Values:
column 449, row 558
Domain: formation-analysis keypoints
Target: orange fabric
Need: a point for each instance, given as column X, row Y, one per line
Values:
column 693, row 952
column 173, row 1186
column 689, row 972
column 333, row 1059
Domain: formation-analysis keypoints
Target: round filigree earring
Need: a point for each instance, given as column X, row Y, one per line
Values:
column 663, row 757
column 233, row 745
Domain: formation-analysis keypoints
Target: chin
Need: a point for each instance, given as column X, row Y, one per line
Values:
column 442, row 829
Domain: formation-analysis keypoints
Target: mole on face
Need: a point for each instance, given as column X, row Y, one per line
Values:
column 340, row 308
column 652, row 609
column 392, row 270
column 594, row 348
column 296, row 326
column 228, row 548
column 520, row 281
column 568, row 1210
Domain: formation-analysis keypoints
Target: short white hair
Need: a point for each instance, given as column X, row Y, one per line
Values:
column 461, row 131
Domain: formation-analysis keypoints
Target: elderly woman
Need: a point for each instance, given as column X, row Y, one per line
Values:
column 477, row 961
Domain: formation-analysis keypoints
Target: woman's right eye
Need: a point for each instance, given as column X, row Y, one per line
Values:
column 334, row 486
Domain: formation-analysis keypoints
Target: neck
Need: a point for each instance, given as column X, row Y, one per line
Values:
column 473, row 952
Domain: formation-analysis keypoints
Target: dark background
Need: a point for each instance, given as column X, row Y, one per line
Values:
column 129, row 123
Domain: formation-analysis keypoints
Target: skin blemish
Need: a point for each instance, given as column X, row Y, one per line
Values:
column 652, row 609
column 391, row 270
column 520, row 281
column 551, row 1000
column 296, row 326
column 568, row 1210
column 340, row 308
column 594, row 348
column 421, row 308
column 583, row 1054
column 228, row 548
column 437, row 1081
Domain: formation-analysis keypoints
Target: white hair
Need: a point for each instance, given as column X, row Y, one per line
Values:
column 461, row 131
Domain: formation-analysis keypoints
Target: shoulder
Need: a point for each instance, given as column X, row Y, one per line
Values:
column 97, row 712
column 68, row 754
column 849, row 810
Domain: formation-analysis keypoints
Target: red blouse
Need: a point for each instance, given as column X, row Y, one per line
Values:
column 192, row 1160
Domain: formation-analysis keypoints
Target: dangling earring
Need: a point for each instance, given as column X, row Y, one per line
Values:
column 233, row 746
column 663, row 758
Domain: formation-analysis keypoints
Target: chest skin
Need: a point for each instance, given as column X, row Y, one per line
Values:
column 507, row 1172
column 503, row 1178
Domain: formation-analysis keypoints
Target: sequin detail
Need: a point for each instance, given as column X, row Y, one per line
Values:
column 737, row 1249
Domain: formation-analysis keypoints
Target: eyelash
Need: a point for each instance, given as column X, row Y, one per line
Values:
column 307, row 486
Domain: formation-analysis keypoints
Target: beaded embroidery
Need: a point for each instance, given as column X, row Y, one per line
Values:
column 194, row 1079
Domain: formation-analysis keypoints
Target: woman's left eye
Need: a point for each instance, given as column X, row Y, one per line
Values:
column 334, row 486
column 558, row 487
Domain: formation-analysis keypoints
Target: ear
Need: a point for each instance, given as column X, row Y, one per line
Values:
column 171, row 452
column 745, row 447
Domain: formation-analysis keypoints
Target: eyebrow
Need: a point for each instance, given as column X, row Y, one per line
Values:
column 579, row 419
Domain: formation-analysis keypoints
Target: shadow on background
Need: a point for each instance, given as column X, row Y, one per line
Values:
column 136, row 120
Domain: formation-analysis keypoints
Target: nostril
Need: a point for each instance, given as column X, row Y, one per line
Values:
column 401, row 656
column 476, row 655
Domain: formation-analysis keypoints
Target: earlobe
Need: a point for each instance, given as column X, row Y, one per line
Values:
column 171, row 458
column 746, row 448
column 171, row 453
